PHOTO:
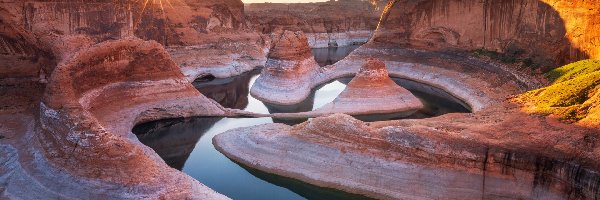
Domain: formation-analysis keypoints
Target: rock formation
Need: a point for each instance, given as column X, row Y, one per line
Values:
column 290, row 65
column 74, row 80
column 499, row 150
column 83, row 136
column 470, row 159
column 370, row 92
column 191, row 30
column 545, row 32
column 335, row 23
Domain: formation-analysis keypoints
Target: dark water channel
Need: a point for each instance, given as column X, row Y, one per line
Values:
column 330, row 55
column 186, row 144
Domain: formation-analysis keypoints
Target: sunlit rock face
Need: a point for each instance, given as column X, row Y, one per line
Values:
column 549, row 32
column 337, row 23
column 290, row 66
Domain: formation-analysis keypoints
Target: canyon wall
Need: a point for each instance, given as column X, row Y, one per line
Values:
column 337, row 23
column 547, row 33
column 168, row 22
column 21, row 54
column 191, row 31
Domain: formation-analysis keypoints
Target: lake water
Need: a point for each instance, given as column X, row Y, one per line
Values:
column 186, row 144
column 330, row 55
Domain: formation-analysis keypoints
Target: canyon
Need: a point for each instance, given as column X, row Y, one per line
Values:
column 326, row 24
column 217, row 99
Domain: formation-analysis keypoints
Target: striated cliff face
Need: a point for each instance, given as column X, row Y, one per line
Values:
column 168, row 23
column 21, row 54
column 549, row 32
column 191, row 31
column 325, row 24
column 289, row 67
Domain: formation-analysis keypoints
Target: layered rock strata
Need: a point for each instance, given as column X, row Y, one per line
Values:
column 476, row 83
column 290, row 64
column 191, row 30
column 545, row 32
column 467, row 156
column 370, row 92
column 82, row 146
column 498, row 151
column 326, row 24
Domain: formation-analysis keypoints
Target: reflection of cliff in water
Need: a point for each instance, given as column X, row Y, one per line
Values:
column 330, row 55
column 174, row 139
column 229, row 92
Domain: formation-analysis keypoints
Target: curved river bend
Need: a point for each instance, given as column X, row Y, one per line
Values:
column 186, row 144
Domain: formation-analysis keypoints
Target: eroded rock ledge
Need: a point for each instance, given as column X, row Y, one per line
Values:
column 466, row 156
column 370, row 92
column 290, row 64
column 326, row 24
column 82, row 145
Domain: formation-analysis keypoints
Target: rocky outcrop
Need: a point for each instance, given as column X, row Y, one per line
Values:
column 22, row 55
column 370, row 92
column 191, row 30
column 82, row 145
column 497, row 151
column 547, row 33
column 290, row 64
column 476, row 158
column 335, row 23
column 172, row 22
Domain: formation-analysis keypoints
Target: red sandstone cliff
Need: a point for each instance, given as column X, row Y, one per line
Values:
column 550, row 32
column 336, row 23
column 168, row 22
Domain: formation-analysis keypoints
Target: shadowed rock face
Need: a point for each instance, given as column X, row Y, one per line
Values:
column 21, row 54
column 336, row 23
column 174, row 23
column 549, row 32
column 191, row 30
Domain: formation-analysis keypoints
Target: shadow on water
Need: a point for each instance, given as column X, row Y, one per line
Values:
column 174, row 139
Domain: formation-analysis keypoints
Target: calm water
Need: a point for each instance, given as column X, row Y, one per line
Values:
column 328, row 56
column 186, row 144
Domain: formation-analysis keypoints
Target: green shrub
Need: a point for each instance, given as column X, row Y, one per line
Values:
column 573, row 85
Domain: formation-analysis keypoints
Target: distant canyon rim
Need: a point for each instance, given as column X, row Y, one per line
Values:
column 416, row 99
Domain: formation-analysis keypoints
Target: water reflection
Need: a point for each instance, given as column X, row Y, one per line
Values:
column 229, row 92
column 174, row 139
column 330, row 55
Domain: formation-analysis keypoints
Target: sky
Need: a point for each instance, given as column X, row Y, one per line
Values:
column 281, row 1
